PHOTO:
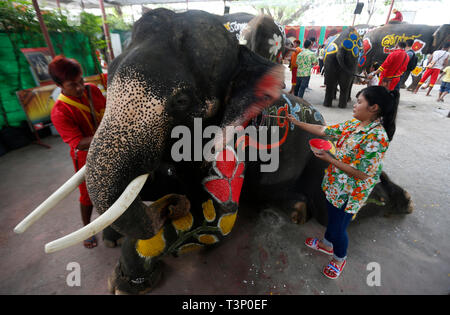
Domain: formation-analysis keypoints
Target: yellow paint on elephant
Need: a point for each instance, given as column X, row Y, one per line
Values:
column 184, row 223
column 332, row 48
column 391, row 40
column 226, row 223
column 190, row 247
column 208, row 210
column 416, row 71
column 152, row 247
column 208, row 239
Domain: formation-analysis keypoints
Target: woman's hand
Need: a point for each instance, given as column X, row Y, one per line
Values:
column 292, row 119
column 323, row 155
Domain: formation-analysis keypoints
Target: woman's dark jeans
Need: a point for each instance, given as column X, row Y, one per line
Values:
column 336, row 233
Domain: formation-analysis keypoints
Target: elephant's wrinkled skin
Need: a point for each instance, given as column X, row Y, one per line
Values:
column 177, row 67
column 340, row 64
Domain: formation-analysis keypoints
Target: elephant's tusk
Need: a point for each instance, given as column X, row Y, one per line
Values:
column 115, row 211
column 51, row 201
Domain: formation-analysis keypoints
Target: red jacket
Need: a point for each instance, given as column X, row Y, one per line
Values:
column 398, row 16
column 72, row 123
column 395, row 64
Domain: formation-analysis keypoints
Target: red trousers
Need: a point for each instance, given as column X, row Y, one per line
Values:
column 433, row 72
column 294, row 76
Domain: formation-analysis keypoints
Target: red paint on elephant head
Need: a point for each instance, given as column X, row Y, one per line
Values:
column 418, row 45
column 227, row 185
column 367, row 45
column 267, row 91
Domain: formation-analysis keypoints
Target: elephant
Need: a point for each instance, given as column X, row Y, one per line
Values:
column 379, row 42
column 236, row 22
column 261, row 34
column 163, row 85
column 340, row 64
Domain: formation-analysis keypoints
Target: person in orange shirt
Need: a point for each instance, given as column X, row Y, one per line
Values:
column 293, row 64
column 76, row 115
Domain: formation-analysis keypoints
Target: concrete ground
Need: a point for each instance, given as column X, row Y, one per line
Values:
column 264, row 254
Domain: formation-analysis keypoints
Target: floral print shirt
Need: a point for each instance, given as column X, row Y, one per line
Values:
column 305, row 60
column 364, row 151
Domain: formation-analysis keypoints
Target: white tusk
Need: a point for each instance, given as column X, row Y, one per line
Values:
column 51, row 201
column 115, row 211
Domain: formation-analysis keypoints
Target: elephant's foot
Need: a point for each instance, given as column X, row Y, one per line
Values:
column 326, row 105
column 298, row 216
column 342, row 105
column 119, row 284
column 172, row 206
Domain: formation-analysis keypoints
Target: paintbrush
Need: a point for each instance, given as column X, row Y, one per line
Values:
column 275, row 116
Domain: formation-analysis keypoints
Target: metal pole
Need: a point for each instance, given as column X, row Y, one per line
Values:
column 390, row 10
column 354, row 17
column 44, row 28
column 106, row 31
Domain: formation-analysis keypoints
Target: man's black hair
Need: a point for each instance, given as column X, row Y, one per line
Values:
column 307, row 43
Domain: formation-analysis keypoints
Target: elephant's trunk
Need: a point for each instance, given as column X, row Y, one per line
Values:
column 128, row 143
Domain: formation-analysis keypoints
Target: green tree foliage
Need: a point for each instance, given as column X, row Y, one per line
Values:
column 19, row 16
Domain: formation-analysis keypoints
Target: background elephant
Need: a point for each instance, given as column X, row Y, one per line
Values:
column 379, row 42
column 296, row 185
column 261, row 34
column 265, row 37
column 236, row 22
column 340, row 64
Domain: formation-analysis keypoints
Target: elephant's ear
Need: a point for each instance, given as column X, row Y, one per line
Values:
column 349, row 51
column 441, row 36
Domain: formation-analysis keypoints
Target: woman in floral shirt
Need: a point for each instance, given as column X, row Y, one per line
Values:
column 351, row 176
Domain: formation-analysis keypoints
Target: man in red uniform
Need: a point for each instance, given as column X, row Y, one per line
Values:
column 393, row 67
column 398, row 15
column 75, row 121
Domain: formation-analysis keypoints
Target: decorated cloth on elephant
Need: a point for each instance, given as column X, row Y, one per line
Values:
column 393, row 67
column 72, row 118
column 363, row 150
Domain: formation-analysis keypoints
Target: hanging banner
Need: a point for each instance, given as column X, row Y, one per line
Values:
column 38, row 102
column 39, row 59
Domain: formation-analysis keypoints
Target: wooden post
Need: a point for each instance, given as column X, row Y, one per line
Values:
column 106, row 31
column 44, row 28
column 390, row 11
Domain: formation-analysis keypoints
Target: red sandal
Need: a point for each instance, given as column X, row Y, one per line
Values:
column 333, row 271
column 314, row 244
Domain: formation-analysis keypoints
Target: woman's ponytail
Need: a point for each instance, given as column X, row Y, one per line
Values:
column 389, row 114
column 387, row 102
